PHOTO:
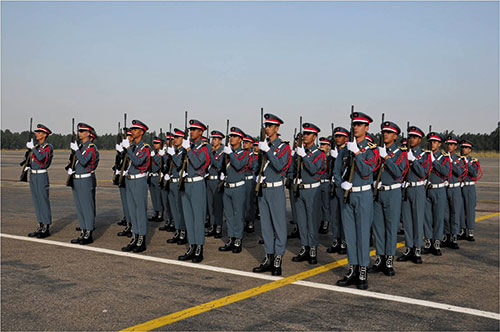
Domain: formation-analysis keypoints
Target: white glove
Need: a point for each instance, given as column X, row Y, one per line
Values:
column 152, row 154
column 346, row 185
column 117, row 172
column 425, row 182
column 222, row 176
column 446, row 183
column 333, row 179
column 30, row 145
column 301, row 151
column 334, row 152
column 119, row 147
column 411, row 157
column 185, row 144
column 125, row 143
column 261, row 179
column 70, row 171
column 405, row 184
column 432, row 157
column 27, row 168
column 382, row 151
column 161, row 152
column 228, row 151
column 125, row 173
column 166, row 177
column 293, row 153
column 264, row 146
column 375, row 184
column 353, row 146
column 73, row 146
column 170, row 150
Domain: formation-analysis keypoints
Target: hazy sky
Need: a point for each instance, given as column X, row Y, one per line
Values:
column 426, row 62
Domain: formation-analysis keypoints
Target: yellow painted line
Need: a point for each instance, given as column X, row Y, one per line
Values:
column 199, row 309
column 488, row 216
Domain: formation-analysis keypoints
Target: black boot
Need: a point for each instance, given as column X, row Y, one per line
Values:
column 334, row 247
column 249, row 228
column 343, row 248
column 182, row 238
column 417, row 258
column 436, row 248
column 189, row 253
column 469, row 235
column 461, row 235
column 122, row 222
column 35, row 233
column 445, row 240
column 78, row 229
column 324, row 227
column 228, row 246
column 45, row 232
column 79, row 238
column 210, row 231
column 276, row 269
column 126, row 232
column 454, row 242
column 87, row 238
column 350, row 278
column 140, row 245
column 198, row 254
column 363, row 278
column 154, row 217
column 303, row 255
column 389, row 266
column 408, row 255
column 218, row 232
column 159, row 218
column 378, row 265
column 175, row 239
column 130, row 246
column 164, row 228
column 171, row 226
column 426, row 247
column 266, row 264
column 313, row 255
column 295, row 233
column 237, row 245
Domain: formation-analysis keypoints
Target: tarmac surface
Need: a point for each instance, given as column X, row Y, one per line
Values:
column 50, row 284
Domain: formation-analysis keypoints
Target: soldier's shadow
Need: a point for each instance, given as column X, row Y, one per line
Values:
column 102, row 222
column 61, row 223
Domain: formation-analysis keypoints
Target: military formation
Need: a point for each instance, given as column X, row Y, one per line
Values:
column 344, row 183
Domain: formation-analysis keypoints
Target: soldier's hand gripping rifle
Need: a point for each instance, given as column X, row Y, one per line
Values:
column 121, row 178
column 429, row 149
column 118, row 157
column 223, row 168
column 26, row 163
column 405, row 197
column 170, row 162
column 288, row 181
column 72, row 158
column 298, row 169
column 332, row 160
column 184, row 157
column 351, row 158
column 379, row 174
column 160, row 171
column 262, row 155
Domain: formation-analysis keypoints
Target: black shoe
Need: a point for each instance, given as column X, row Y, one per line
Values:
column 461, row 235
column 182, row 238
column 389, row 266
column 198, row 254
column 401, row 232
column 228, row 246
column 469, row 235
column 426, row 248
column 159, row 218
column 237, row 245
column 171, row 226
column 45, row 232
column 266, row 264
column 126, row 232
column 249, row 227
column 154, row 217
column 140, row 245
column 174, row 239
column 416, row 258
column 324, row 227
column 445, row 241
column 87, row 238
column 454, row 242
column 210, row 231
column 363, row 278
column 303, row 255
column 343, row 248
column 350, row 278
column 122, row 222
column 295, row 233
column 189, row 253
column 261, row 241
column 407, row 256
column 79, row 238
column 378, row 265
column 313, row 255
column 78, row 229
column 276, row 269
column 218, row 232
column 335, row 247
column 35, row 233
column 164, row 228
column 435, row 249
column 130, row 246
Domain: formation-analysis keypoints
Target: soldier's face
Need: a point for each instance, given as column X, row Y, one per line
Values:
column 156, row 146
column 40, row 135
column 435, row 145
column 247, row 145
column 178, row 140
column 271, row 129
column 195, row 134
column 325, row 147
column 452, row 148
column 360, row 129
column 235, row 141
column 129, row 137
column 340, row 140
column 136, row 133
column 83, row 135
column 216, row 141
column 414, row 141
column 466, row 151
column 256, row 148
column 389, row 137
column 309, row 138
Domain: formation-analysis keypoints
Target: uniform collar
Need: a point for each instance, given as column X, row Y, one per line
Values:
column 392, row 148
column 86, row 144
column 238, row 149
column 312, row 148
column 198, row 143
column 417, row 149
column 276, row 142
column 140, row 144
column 363, row 143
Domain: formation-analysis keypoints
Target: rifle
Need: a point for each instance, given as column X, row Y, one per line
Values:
column 405, row 196
column 184, row 157
column 72, row 157
column 379, row 174
column 121, row 178
column 118, row 157
column 262, row 155
column 160, row 172
column 169, row 167
column 149, row 176
column 299, row 164
column 288, row 181
column 25, row 164
column 351, row 158
column 429, row 149
column 223, row 169
column 332, row 162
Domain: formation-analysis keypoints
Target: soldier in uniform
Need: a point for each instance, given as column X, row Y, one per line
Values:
column 308, row 202
column 154, row 180
column 176, row 154
column 387, row 205
column 413, row 205
column 139, row 154
column 325, row 146
column 474, row 173
column 87, row 159
column 251, row 198
column 358, row 210
column 339, row 244
column 272, row 203
column 214, row 196
column 167, row 212
column 234, row 190
column 41, row 158
column 436, row 196
column 123, row 190
column 290, row 175
column 194, row 196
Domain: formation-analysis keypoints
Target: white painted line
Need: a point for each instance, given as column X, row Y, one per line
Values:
column 352, row 291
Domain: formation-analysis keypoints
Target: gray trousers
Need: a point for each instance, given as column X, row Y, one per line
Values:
column 167, row 214
column 293, row 206
column 357, row 221
column 453, row 210
column 308, row 209
column 214, row 202
column 325, row 202
column 386, row 216
column 39, row 185
column 413, row 211
column 84, row 195
column 336, row 208
column 194, row 206
column 470, row 199
column 155, row 191
column 250, row 200
column 234, row 210
column 434, row 213
column 272, row 206
column 123, row 197
column 174, row 200
column 137, row 199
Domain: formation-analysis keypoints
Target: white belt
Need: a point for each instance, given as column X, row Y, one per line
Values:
column 213, row 177
column 236, row 184
column 392, row 186
column 454, row 185
column 83, row 176
column 416, row 184
column 310, row 185
column 273, row 184
column 440, row 185
column 153, row 174
column 194, row 179
column 361, row 188
column 38, row 171
column 250, row 177
column 136, row 176
column 469, row 183
column 325, row 180
column 174, row 180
